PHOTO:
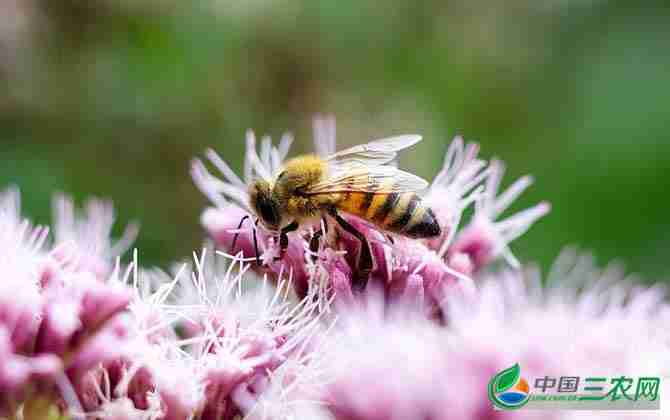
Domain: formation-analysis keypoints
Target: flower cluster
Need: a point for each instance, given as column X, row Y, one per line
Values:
column 80, row 332
column 199, row 346
column 60, row 302
column 398, row 365
column 241, row 332
column 429, row 267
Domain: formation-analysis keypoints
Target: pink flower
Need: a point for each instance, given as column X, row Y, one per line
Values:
column 84, row 242
column 222, row 226
column 241, row 338
column 224, row 337
column 455, row 187
column 395, row 367
column 233, row 217
column 223, row 367
column 55, row 321
column 405, row 270
column 485, row 239
column 586, row 321
column 17, row 370
column 111, row 391
column 334, row 265
column 392, row 363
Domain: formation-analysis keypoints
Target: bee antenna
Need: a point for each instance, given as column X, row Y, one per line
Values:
column 232, row 251
column 258, row 260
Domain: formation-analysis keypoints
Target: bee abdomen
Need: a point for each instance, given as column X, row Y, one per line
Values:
column 402, row 213
column 411, row 217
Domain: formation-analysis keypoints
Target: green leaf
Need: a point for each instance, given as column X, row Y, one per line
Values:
column 507, row 378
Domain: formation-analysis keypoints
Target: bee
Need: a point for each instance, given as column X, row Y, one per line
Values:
column 361, row 181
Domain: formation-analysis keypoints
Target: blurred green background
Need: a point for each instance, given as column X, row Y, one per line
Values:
column 112, row 98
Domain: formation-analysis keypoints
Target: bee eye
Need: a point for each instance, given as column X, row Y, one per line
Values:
column 268, row 212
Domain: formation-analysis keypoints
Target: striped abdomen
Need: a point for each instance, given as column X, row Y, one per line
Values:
column 402, row 213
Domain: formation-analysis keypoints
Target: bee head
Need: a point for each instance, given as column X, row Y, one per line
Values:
column 265, row 205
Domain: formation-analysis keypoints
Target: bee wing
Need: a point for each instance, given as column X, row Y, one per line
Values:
column 377, row 152
column 357, row 177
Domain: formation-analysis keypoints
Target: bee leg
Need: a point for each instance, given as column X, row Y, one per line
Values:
column 239, row 226
column 390, row 238
column 258, row 258
column 283, row 238
column 314, row 243
column 365, row 263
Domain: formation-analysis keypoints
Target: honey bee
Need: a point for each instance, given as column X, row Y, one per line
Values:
column 361, row 181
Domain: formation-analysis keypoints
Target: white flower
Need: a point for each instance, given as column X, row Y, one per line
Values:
column 454, row 188
column 232, row 189
column 84, row 240
column 234, row 336
column 486, row 238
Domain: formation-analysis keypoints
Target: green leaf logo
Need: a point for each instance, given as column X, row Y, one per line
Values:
column 507, row 390
column 507, row 378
